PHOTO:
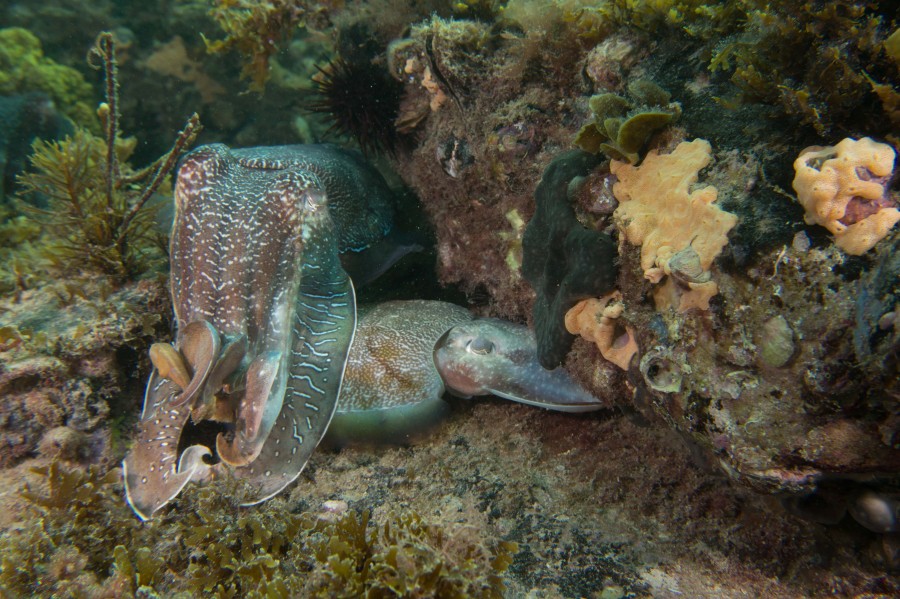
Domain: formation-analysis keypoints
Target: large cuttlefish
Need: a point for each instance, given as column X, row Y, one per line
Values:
column 266, row 315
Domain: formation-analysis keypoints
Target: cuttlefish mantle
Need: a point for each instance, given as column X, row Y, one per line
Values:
column 265, row 314
column 407, row 354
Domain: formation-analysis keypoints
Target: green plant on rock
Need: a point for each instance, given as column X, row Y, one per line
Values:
column 481, row 10
column 621, row 127
column 24, row 68
column 405, row 557
column 17, row 253
column 830, row 64
column 822, row 62
column 235, row 551
column 62, row 547
column 94, row 208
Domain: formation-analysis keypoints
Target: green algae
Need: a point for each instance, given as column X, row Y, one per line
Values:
column 93, row 207
column 24, row 68
column 823, row 63
column 829, row 65
column 621, row 127
column 79, row 536
column 255, row 30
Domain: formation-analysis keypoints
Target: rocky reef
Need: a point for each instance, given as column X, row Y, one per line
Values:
column 718, row 264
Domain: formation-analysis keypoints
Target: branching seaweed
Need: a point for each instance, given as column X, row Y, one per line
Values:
column 94, row 207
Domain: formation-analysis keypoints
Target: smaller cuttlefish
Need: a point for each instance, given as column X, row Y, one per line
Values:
column 407, row 354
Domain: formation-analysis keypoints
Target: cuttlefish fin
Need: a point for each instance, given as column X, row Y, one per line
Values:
column 154, row 473
column 490, row 356
column 245, row 446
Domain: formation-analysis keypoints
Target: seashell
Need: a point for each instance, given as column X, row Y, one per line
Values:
column 685, row 267
column 877, row 511
column 776, row 342
column 454, row 156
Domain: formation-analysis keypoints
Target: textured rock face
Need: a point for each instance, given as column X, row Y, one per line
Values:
column 72, row 366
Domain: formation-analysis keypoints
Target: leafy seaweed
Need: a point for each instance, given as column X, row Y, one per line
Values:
column 256, row 29
column 79, row 537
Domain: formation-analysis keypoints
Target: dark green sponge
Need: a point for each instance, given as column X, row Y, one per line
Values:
column 562, row 260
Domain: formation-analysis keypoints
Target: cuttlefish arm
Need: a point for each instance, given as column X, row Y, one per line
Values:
column 154, row 472
column 322, row 332
column 490, row 356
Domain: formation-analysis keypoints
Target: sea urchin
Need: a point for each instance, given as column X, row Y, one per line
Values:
column 363, row 101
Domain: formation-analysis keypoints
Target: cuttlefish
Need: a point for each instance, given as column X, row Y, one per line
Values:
column 266, row 316
column 407, row 354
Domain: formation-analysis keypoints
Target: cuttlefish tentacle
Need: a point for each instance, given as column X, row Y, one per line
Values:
column 226, row 365
column 170, row 364
column 254, row 261
column 200, row 346
column 406, row 354
column 323, row 331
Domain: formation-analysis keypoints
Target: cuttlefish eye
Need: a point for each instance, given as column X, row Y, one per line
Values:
column 480, row 346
